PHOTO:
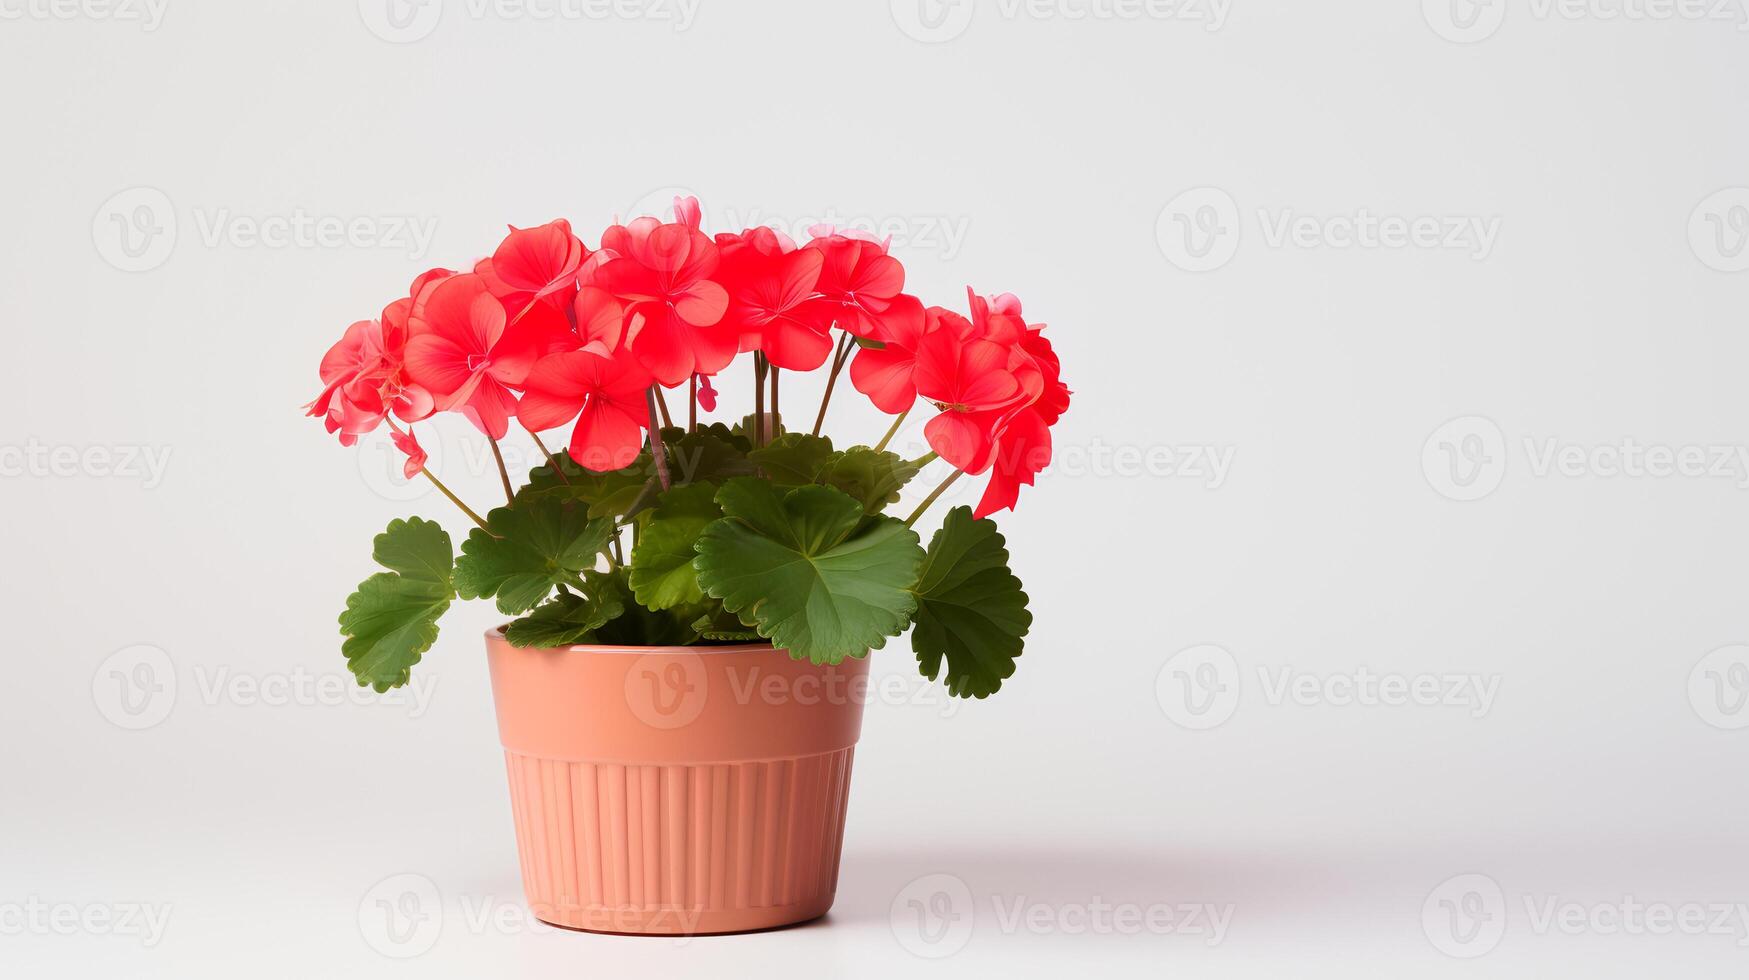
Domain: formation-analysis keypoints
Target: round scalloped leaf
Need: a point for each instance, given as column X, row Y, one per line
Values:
column 809, row 569
column 391, row 620
column 971, row 612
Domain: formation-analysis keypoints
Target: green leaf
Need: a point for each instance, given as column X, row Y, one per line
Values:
column 793, row 459
column 972, row 611
column 874, row 478
column 744, row 429
column 662, row 575
column 526, row 550
column 392, row 619
column 570, row 618
column 705, row 456
column 722, row 432
column 723, row 627
column 809, row 570
column 606, row 494
column 641, row 627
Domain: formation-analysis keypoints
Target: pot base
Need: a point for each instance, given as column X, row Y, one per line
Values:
column 673, row 791
column 681, row 922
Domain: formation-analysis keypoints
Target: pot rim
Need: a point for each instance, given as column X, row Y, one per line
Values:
column 496, row 633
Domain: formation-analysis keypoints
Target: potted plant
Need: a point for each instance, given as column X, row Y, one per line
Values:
column 680, row 685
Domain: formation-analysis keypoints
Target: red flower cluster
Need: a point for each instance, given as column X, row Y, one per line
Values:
column 547, row 331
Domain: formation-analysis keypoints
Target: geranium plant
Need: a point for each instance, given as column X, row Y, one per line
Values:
column 651, row 529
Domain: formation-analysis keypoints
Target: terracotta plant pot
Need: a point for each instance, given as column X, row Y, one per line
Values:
column 676, row 790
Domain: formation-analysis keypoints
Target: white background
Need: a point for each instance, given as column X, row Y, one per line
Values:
column 1013, row 148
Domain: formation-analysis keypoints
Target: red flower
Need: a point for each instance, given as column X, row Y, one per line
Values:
column 605, row 394
column 351, row 401
column 416, row 457
column 886, row 374
column 771, row 289
column 397, row 314
column 1022, row 438
column 707, row 396
column 861, row 289
column 535, row 263
column 674, row 310
column 364, row 377
column 970, row 379
column 600, row 319
column 467, row 353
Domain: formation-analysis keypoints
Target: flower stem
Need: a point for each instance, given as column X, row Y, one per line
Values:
column 776, row 419
column 758, row 400
column 892, row 431
column 838, row 359
column 658, row 450
column 662, row 402
column 552, row 460
column 692, row 409
column 457, row 501
column 503, row 474
column 931, row 498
